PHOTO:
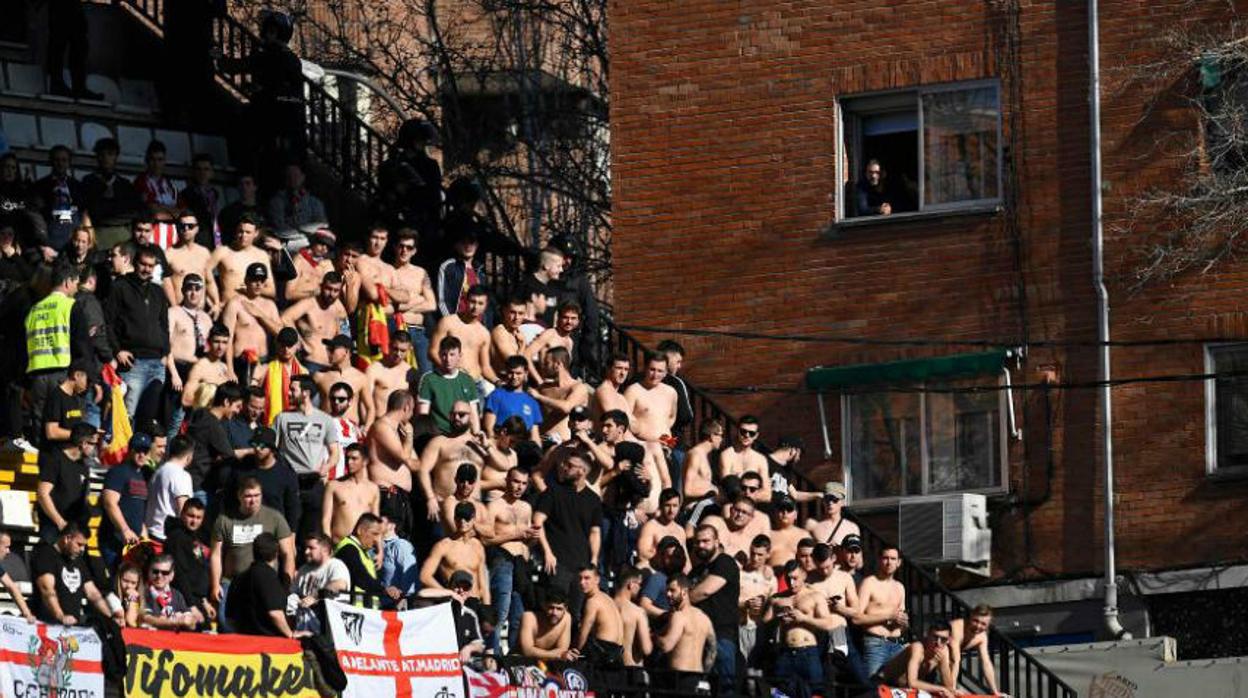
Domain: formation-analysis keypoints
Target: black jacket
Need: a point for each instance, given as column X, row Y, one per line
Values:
column 190, row 569
column 138, row 317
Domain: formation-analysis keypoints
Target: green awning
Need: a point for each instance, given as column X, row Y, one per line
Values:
column 823, row 378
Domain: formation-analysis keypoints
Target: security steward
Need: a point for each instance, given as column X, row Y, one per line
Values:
column 49, row 326
column 356, row 551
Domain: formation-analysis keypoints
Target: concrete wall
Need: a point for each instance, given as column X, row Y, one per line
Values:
column 1143, row 669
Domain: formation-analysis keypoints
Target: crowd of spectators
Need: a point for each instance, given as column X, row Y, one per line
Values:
column 316, row 418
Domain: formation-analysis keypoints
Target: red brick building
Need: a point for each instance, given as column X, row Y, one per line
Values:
column 739, row 134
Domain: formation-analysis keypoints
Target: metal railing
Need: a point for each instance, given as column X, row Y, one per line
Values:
column 342, row 141
column 927, row 600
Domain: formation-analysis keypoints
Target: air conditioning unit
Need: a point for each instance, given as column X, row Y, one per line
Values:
column 950, row 529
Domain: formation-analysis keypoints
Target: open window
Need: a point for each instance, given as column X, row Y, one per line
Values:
column 930, row 149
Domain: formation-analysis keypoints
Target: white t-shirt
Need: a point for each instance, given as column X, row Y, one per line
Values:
column 170, row 482
column 310, row 580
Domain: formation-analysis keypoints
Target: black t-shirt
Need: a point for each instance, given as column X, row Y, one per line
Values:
column 69, row 484
column 70, row 575
column 569, row 516
column 212, row 446
column 253, row 594
column 721, row 606
column 62, row 409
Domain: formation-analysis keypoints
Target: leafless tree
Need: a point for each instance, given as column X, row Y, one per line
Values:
column 1198, row 219
column 517, row 88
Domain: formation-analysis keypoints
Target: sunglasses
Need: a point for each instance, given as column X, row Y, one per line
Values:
column 405, row 247
column 161, row 573
column 748, row 432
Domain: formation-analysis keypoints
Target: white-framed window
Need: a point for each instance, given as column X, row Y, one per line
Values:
column 939, row 148
column 906, row 443
column 1226, row 409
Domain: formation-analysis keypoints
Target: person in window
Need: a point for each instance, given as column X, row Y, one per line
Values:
column 873, row 195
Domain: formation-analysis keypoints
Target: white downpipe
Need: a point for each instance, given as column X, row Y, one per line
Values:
column 1113, row 625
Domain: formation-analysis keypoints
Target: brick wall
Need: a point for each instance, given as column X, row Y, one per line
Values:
column 725, row 177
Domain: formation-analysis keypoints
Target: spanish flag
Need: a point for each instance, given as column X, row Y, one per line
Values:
column 116, row 449
column 371, row 330
column 277, row 387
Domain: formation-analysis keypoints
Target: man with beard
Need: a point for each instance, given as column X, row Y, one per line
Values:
column 360, row 408
column 716, row 592
column 443, row 455
column 568, row 514
column 318, row 319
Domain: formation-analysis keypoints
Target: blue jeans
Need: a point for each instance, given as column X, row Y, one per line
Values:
column 803, row 669
column 508, row 605
column 877, row 651
column 726, row 666
column 420, row 347
column 143, row 374
column 223, row 625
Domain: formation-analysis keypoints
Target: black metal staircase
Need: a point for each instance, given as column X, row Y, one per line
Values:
column 348, row 146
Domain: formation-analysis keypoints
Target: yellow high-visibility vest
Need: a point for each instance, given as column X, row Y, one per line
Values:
column 47, row 333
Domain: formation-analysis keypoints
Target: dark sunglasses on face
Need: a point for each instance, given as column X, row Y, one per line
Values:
column 161, row 573
column 748, row 432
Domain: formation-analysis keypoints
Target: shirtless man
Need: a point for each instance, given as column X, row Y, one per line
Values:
column 923, row 666
column 698, row 482
column 882, row 612
column 340, row 370
column 548, row 635
column 232, row 263
column 390, row 459
column 376, row 274
column 601, row 638
column 474, row 338
column 345, row 264
column 346, row 499
column 607, row 396
column 500, row 454
column 466, row 492
column 507, row 339
column 412, row 280
column 392, row 373
column 318, row 319
column 689, row 640
column 311, row 265
column 558, row 393
column 832, row 527
column 785, row 533
column 188, row 332
column 971, row 635
column 557, row 337
column 460, row 551
column 841, row 592
column 211, row 368
column 444, row 454
column 741, row 526
column 637, row 642
column 662, row 524
column 802, row 611
column 758, row 583
column 742, row 458
column 507, row 542
column 652, row 403
column 251, row 319
column 187, row 257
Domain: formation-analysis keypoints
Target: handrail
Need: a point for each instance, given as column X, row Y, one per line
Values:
column 351, row 148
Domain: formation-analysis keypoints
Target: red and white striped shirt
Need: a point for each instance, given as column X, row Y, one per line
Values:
column 347, row 432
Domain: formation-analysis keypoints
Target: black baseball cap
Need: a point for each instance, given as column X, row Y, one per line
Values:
column 851, row 542
column 256, row 271
column 341, row 340
column 196, row 280
column 264, row 436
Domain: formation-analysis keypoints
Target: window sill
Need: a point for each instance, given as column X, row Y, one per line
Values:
column 995, row 495
column 1228, row 475
column 836, row 229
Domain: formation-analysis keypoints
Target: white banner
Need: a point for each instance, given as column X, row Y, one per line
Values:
column 49, row 660
column 402, row 654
